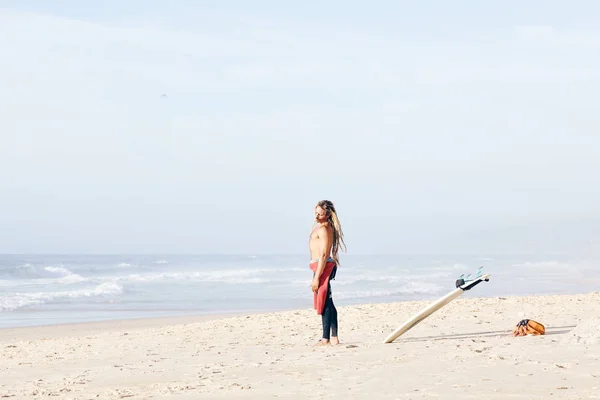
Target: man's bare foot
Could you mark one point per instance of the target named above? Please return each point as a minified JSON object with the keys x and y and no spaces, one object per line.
{"x":322,"y":342}
{"x":335,"y":340}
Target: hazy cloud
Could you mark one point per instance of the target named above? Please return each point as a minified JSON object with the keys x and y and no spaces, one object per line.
{"x":418,"y":134}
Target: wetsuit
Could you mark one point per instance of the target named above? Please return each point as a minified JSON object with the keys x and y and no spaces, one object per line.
{"x":323,"y":301}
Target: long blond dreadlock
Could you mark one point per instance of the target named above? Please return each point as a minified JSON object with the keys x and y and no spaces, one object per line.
{"x":338,"y":234}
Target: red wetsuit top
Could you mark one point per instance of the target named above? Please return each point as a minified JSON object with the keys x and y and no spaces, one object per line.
{"x":320,"y":297}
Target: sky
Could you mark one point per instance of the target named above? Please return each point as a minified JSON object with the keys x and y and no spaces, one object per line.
{"x":216,"y":126}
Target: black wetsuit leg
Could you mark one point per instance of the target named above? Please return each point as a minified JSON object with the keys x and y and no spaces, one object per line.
{"x":334,"y":318}
{"x":329,"y":317}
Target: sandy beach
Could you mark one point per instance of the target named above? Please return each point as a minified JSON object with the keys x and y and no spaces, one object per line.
{"x":465,"y":350}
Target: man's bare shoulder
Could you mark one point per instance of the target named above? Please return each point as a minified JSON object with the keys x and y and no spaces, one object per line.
{"x":325,"y":229}
{"x":320,"y":230}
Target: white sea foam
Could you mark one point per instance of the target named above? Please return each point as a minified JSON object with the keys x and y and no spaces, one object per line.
{"x":542,"y":264}
{"x":409,"y":288}
{"x":14,"y":301}
{"x":32,"y":275}
{"x":455,"y":267}
{"x":190,"y":277}
{"x":234,"y":276}
{"x":32,"y":271}
{"x":58,"y":270}
{"x":66,"y":280}
{"x":349,"y":279}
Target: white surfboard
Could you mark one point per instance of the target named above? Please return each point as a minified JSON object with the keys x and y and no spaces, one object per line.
{"x":436,"y":305}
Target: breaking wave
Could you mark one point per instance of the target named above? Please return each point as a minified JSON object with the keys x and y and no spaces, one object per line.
{"x":19,"y":300}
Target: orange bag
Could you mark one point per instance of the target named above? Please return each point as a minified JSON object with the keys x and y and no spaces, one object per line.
{"x":528,"y":327}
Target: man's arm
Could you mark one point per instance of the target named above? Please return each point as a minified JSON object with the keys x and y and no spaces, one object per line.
{"x":323,"y":244}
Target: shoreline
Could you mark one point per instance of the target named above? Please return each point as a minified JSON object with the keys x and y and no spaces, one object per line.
{"x":206,"y":315}
{"x":32,"y":332}
{"x":179,"y":318}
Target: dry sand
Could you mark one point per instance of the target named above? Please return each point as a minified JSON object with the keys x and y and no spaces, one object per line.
{"x":464,"y":351}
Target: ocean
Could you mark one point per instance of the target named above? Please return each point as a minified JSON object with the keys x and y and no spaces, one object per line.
{"x":57,"y":289}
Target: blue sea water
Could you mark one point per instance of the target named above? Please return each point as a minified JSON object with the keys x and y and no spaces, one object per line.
{"x":53,"y":289}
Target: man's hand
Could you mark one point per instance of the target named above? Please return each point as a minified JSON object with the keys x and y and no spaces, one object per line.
{"x":315,"y":284}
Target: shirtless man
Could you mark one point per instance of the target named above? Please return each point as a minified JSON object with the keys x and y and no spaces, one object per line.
{"x":325,"y":241}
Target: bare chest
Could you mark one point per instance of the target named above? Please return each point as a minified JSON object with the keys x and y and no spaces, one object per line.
{"x":313,"y":236}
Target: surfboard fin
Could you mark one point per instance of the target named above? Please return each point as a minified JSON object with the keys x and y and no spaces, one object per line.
{"x":462,"y":279}
{"x":477,"y":274}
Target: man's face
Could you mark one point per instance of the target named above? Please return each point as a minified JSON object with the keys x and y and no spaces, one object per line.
{"x":320,"y":214}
